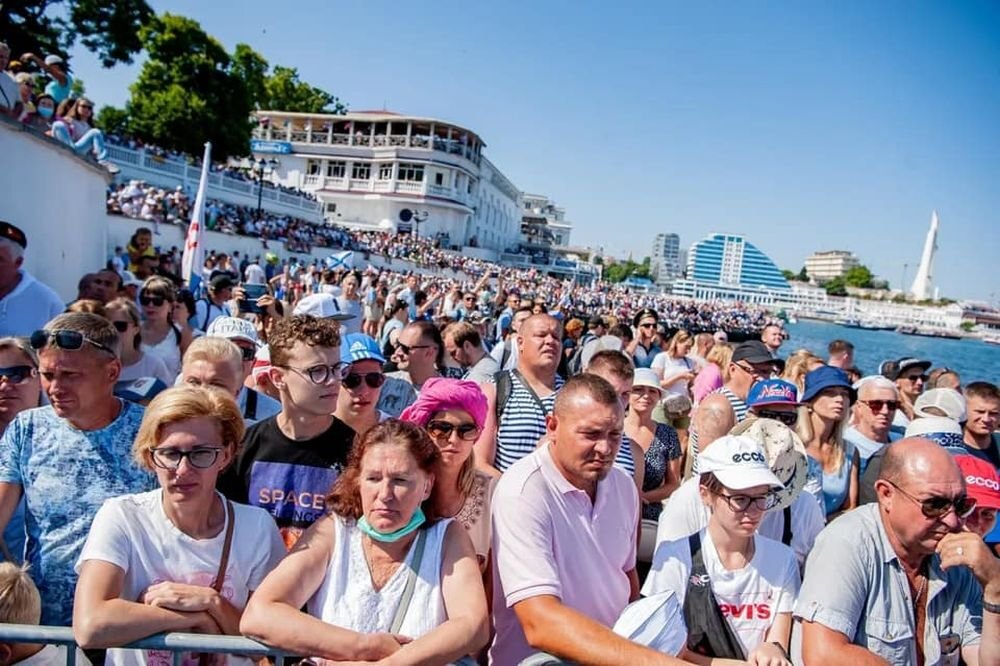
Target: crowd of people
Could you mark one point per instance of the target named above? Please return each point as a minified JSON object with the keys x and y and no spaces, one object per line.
{"x":363,"y":465}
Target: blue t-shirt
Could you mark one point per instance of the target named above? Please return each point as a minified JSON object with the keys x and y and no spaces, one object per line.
{"x":66,"y":475}
{"x":59,"y":92}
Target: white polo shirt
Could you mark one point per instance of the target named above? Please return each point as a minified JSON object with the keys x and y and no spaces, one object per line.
{"x":29,"y":307}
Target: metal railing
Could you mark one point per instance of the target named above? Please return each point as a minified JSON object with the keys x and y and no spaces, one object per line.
{"x":176,"y":643}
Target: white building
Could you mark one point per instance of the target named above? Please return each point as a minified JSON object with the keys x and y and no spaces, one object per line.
{"x":543,"y":222}
{"x":825,"y":266}
{"x":382,"y":170}
{"x":666,"y":261}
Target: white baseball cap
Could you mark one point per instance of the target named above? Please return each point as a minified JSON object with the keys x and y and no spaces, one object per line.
{"x":949,"y":401}
{"x":322,"y":306}
{"x":738,"y":462}
{"x":232,"y":328}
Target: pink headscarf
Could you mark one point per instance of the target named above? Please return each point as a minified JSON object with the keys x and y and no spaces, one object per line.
{"x":439,"y":394}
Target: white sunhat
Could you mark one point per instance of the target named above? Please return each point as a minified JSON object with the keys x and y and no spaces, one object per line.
{"x":656,"y":621}
{"x":232,"y":328}
{"x":786,"y":455}
{"x":322,"y":306}
{"x":738,"y":462}
{"x":647,"y":377}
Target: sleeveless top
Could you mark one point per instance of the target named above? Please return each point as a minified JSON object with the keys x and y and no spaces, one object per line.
{"x":347,"y":598}
{"x":522,"y":423}
{"x":168,"y":350}
{"x":833,"y":487}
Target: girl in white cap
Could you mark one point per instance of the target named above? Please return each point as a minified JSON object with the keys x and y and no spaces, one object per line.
{"x":737,"y":588}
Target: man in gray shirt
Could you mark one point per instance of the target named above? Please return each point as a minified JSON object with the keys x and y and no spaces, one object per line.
{"x":465,"y":346}
{"x":900,"y":582}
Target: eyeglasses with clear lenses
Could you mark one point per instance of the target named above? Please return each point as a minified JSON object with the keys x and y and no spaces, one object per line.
{"x":742,"y":503}
{"x":200,"y":457}
{"x":937,"y":506}
{"x":16,"y":374}
{"x":65,"y":339}
{"x":372,"y":379}
{"x":323,"y":374}
{"x":442,"y":430}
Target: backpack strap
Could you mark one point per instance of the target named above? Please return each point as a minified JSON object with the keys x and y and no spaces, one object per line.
{"x":251,"y":410}
{"x":786,"y":531}
{"x":709,"y":632}
{"x":505,"y":386}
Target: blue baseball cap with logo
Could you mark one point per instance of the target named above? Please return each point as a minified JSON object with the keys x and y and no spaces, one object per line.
{"x":772,"y":392}
{"x":360,"y":347}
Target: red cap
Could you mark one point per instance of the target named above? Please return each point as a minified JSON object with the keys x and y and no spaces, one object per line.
{"x":981,"y":481}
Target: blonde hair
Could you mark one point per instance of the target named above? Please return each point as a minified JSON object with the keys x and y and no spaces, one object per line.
{"x":177,"y":405}
{"x":680,"y":337}
{"x":797,"y":367}
{"x":20,"y":602}
{"x":88,"y":305}
{"x":721,"y":355}
{"x":804,"y":429}
{"x":215,"y":350}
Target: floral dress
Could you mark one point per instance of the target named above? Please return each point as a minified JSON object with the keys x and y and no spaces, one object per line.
{"x":665,"y":447}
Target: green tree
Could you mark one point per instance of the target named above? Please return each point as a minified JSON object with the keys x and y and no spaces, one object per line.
{"x":108,"y":29}
{"x":286,"y":92}
{"x":789,"y":275}
{"x":859,"y":277}
{"x":112,"y":120}
{"x":187,"y":92}
{"x":251,"y":67}
{"x":836,"y":287}
{"x":803,"y":276}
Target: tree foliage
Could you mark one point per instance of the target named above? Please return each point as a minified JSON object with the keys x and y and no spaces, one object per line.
{"x":803,"y":275}
{"x":623,"y":270}
{"x":112,"y":120}
{"x":109,"y":29}
{"x":788,"y":275}
{"x":859,"y":277}
{"x":836,"y":287}
{"x":287,"y":92}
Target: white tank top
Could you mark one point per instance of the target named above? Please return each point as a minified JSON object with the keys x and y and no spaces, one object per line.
{"x":168,"y":350}
{"x":347,"y":599}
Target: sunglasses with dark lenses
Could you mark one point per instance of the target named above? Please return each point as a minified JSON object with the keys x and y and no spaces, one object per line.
{"x":121,"y":326}
{"x":788,"y":418}
{"x":372,"y":379}
{"x":937,"y":506}
{"x":146,"y":300}
{"x":913,"y":378}
{"x":201,"y":457}
{"x":16,"y":374}
{"x":877,"y":405}
{"x":442,"y":430}
{"x":407,"y":349}
{"x":649,"y":325}
{"x":741,"y":503}
{"x":64,"y":339}
{"x":249,"y":353}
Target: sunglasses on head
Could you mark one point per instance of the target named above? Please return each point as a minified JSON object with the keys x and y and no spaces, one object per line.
{"x":443,"y":429}
{"x":937,"y":506}
{"x":147,"y":300}
{"x":877,"y":405}
{"x":65,"y":339}
{"x":16,"y":374}
{"x":788,"y":418}
{"x":372,"y":379}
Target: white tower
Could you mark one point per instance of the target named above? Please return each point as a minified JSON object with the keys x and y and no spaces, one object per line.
{"x":923,"y":288}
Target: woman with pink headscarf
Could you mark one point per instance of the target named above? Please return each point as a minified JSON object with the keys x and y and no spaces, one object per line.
{"x":452,"y":412}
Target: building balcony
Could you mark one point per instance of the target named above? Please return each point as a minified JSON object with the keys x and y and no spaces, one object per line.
{"x":405,"y":187}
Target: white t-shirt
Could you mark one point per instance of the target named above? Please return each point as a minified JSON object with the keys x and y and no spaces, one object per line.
{"x":53,"y":655}
{"x":29,"y":307}
{"x":750,"y":598}
{"x":667,"y":367}
{"x":10,"y":92}
{"x":254,"y":274}
{"x":133,"y":533}
{"x":149,"y":365}
{"x":684,"y":514}
{"x":350,"y":306}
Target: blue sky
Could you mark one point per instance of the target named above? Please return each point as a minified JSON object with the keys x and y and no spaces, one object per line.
{"x":805,"y":126}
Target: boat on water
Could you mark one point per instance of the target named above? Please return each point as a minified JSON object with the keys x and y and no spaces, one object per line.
{"x":872,"y":325}
{"x":848,"y":323}
{"x":929,"y":332}
{"x":992,"y":338}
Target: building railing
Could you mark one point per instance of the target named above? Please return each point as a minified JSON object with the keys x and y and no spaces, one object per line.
{"x":366,"y":140}
{"x":176,"y":643}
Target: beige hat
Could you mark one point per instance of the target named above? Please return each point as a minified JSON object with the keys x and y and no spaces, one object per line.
{"x":950,"y":402}
{"x":786,"y":455}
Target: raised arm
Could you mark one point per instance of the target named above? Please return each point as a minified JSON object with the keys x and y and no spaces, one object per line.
{"x":486,"y":446}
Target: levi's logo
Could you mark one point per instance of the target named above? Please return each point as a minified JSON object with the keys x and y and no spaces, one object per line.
{"x":983,"y":482}
{"x":748,"y":611}
{"x":748,"y":456}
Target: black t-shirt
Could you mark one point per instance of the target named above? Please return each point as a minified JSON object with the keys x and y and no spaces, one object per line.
{"x":287,"y":478}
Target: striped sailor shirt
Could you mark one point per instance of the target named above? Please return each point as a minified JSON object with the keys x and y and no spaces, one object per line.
{"x":522,"y":422}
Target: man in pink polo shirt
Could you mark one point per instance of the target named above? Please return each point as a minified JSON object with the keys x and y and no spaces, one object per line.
{"x":564,"y":535}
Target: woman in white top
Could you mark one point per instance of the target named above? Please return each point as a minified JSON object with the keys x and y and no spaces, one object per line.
{"x":673,"y":367}
{"x":352,"y":568}
{"x":136,"y":364}
{"x":160,"y":336}
{"x":153,"y":562}
{"x":746,"y":608}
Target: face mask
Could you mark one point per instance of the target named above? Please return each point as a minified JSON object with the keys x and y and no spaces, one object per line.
{"x":45,"y":112}
{"x":416,"y":521}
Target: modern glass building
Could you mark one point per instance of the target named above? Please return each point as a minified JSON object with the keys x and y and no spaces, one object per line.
{"x":730,"y":260}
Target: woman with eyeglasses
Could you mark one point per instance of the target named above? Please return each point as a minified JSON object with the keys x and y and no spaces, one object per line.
{"x":136,"y":364}
{"x":181,"y":557}
{"x":452,"y":412}
{"x":381,"y":575}
{"x":834,"y":463}
{"x":75,"y":128}
{"x":737,"y":588}
{"x":160,"y":337}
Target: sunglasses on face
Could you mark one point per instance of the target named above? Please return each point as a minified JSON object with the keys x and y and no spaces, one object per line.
{"x":64,"y":339}
{"x":742,"y":503}
{"x":763,"y":372}
{"x":937,"y":506}
{"x":877,"y":405}
{"x":442,"y":430}
{"x":407,"y":349}
{"x":146,"y":300}
{"x":788,"y":418}
{"x":120,"y":326}
{"x":914,"y":378}
{"x":647,"y":325}
{"x":16,"y":374}
{"x":201,"y":457}
{"x":371,"y":379}
{"x":248,"y":353}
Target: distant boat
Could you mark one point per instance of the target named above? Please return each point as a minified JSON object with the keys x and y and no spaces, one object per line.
{"x":872,"y":325}
{"x":992,"y":338}
{"x":929,"y":332}
{"x":848,"y":323}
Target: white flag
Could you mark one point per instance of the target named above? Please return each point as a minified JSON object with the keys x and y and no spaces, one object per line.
{"x":340,"y":260}
{"x":194,"y":250}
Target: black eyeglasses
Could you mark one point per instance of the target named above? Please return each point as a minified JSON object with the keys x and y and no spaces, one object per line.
{"x":65,"y":339}
{"x":323,"y":374}
{"x":442,"y":430}
{"x":407,"y":349}
{"x":155,"y":301}
{"x":200,"y":457}
{"x":120,"y":326}
{"x":372,"y":379}
{"x":877,"y":405}
{"x":742,"y":503}
{"x":938,"y":506}
{"x":16,"y":374}
{"x":788,"y":418}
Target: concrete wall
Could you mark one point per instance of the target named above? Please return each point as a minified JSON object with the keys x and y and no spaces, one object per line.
{"x":58,"y":198}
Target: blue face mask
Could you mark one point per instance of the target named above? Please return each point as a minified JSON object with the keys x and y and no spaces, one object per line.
{"x":416,"y":521}
{"x":45,"y":112}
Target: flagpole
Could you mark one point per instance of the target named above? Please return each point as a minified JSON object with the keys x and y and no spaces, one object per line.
{"x":194,"y":249}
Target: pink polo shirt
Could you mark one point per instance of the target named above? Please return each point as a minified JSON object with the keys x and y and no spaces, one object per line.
{"x":548,"y":539}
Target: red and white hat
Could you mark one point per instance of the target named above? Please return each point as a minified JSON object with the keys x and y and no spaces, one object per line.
{"x":261,"y":363}
{"x":981,"y":481}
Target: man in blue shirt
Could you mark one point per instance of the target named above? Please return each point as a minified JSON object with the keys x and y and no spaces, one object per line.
{"x":69,"y":457}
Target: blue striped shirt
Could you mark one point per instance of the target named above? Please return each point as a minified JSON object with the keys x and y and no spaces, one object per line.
{"x":522,"y":423}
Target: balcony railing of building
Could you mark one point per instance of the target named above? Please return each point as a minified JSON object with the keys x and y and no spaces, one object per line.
{"x":421,"y":188}
{"x":166,"y":171}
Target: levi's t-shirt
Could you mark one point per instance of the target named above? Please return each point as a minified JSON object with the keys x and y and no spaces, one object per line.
{"x":288,"y":478}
